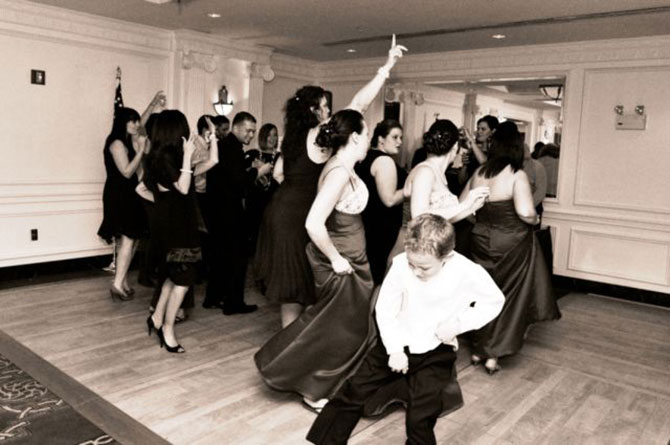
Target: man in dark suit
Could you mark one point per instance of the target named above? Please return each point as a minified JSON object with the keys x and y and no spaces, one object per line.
{"x":227,"y":183}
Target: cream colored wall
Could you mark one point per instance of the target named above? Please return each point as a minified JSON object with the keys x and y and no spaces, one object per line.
{"x":52,"y":175}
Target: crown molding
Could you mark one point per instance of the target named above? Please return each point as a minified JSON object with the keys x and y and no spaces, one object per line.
{"x":537,"y":58}
{"x":189,"y":41}
{"x":30,"y":19}
{"x":295,"y":68}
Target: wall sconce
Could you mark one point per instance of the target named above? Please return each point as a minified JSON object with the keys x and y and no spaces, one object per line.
{"x":552,"y":92}
{"x":639,"y":109}
{"x":223,"y":106}
{"x":619,"y":110}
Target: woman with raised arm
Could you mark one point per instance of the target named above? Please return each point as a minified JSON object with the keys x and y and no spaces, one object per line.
{"x":175,"y":220}
{"x":124,"y":218}
{"x":385,"y":179}
{"x":314,"y":354}
{"x":281,"y":261}
{"x":504,"y":243}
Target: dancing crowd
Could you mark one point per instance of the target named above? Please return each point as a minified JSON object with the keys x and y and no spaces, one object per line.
{"x":378,"y":271}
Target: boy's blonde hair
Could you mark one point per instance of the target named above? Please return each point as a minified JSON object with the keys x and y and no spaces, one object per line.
{"x":432,"y":234}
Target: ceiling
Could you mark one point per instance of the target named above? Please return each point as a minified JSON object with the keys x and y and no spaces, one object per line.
{"x":325,"y":29}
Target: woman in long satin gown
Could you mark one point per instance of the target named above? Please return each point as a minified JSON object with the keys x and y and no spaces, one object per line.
{"x":317,"y":352}
{"x":504,"y":243}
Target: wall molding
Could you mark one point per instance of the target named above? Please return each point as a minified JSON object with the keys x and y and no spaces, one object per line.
{"x":52,"y":23}
{"x":593,"y":216}
{"x":620,"y":274}
{"x":43,"y":256}
{"x":192,"y":41}
{"x":548,"y":58}
{"x":294,"y":68}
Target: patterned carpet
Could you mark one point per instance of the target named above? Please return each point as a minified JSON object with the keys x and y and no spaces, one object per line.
{"x":31,"y":414}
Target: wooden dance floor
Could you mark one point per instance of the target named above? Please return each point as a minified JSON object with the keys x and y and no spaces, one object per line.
{"x":601,"y":375}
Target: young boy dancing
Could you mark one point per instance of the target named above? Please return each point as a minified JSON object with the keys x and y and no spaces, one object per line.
{"x":430,"y":295}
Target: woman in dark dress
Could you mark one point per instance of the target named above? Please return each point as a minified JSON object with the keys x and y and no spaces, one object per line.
{"x":281,"y":261}
{"x":259,"y":195}
{"x":314,"y":354}
{"x":123,"y":215}
{"x":504,"y":243}
{"x":174,"y":220}
{"x":384,"y":179}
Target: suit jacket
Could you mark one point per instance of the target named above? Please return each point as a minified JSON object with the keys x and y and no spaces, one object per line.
{"x":227,"y":183}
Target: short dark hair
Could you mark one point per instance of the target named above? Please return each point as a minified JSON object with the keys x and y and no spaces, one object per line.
{"x":220,"y":120}
{"x":383,"y":129}
{"x":491,"y":121}
{"x":431,"y":234}
{"x":243,"y":116}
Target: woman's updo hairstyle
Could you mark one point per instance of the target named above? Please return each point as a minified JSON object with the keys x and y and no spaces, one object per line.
{"x":440,"y":137}
{"x":299,"y":118}
{"x":335,"y":133}
{"x":382,"y":130}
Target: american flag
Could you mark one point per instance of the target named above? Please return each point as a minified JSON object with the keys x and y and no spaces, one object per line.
{"x":118,"y":98}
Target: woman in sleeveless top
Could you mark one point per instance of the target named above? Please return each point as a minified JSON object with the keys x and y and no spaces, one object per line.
{"x":503,"y":242}
{"x":123,"y":215}
{"x":317,"y":352}
{"x":281,"y":262}
{"x":426,"y":188}
{"x":385,"y":180}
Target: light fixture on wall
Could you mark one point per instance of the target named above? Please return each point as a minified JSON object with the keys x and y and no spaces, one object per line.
{"x":552,"y":92}
{"x":223,"y":106}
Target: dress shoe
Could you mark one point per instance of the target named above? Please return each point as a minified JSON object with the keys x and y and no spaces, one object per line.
{"x":242,"y":309}
{"x":116,"y":293}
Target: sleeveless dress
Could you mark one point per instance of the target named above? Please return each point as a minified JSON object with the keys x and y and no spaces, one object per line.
{"x":123,"y":213}
{"x":281,"y":262}
{"x":507,"y":248}
{"x":381,"y":223}
{"x":316,"y":353}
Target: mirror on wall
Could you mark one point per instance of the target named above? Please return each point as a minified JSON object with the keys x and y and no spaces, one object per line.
{"x":534,"y":104}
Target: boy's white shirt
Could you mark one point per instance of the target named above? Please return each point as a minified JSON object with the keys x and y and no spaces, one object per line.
{"x":409,"y":310}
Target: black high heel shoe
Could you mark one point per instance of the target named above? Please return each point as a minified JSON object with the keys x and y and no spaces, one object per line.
{"x":174,"y":349}
{"x":151,"y":326}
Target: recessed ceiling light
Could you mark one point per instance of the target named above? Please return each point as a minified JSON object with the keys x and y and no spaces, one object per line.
{"x":351,"y":50}
{"x":213,"y":15}
{"x":498,"y":36}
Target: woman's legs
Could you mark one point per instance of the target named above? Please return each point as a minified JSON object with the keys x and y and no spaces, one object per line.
{"x":159,"y":312}
{"x":173,"y":303}
{"x":289,"y":312}
{"x":124,"y":255}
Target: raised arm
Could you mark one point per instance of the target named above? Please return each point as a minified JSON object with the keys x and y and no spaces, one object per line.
{"x":366,"y":95}
{"x":333,"y":185}
{"x":386,"y":179}
{"x":156,"y":105}
{"x":213,"y":159}
{"x":120,"y":155}
{"x":523,"y":199}
{"x":183,"y":183}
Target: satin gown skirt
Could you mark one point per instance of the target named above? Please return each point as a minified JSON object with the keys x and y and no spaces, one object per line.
{"x":508,"y":249}
{"x":317,"y":352}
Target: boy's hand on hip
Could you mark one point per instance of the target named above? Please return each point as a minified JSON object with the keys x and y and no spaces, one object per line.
{"x":447,"y":331}
{"x":398,"y":362}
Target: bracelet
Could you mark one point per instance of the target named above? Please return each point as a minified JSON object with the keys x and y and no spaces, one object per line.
{"x":384,"y":72}
{"x":185,"y":170}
